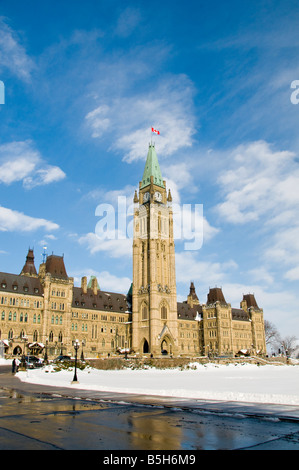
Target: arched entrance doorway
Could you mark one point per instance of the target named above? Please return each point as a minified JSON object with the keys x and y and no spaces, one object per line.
{"x":17,"y":351}
{"x":166,"y":347}
{"x":145,"y":347}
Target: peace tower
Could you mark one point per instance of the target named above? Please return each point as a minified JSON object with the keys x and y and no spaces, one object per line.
{"x":154,"y":301}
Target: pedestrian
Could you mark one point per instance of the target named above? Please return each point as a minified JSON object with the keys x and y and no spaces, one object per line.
{"x":17,"y":364}
{"x":13,"y":366}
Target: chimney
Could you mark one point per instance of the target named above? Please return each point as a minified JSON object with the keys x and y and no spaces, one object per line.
{"x":84,"y":284}
{"x":94,"y":285}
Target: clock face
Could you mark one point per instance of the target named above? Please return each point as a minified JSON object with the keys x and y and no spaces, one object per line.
{"x":158,"y":196}
{"x":146,"y":197}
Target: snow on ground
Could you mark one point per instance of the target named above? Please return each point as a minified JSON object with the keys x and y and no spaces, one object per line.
{"x":275,"y":384}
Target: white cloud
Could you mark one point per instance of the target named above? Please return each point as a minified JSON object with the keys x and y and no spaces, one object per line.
{"x":20,"y":161}
{"x":168,"y":107}
{"x":116,"y":248}
{"x":181,"y":174}
{"x":190,"y":226}
{"x":261,"y":190}
{"x":50,"y":174}
{"x":293,"y":274}
{"x":107,"y":281}
{"x":98,"y":121}
{"x":189,"y":268}
{"x":261,"y":274}
{"x":13,"y":55}
{"x":284,"y":247}
{"x":17,"y":161}
{"x":112,"y":196}
{"x":14,"y":221}
{"x":51,"y":237}
{"x":260,"y":183}
{"x":127,"y":22}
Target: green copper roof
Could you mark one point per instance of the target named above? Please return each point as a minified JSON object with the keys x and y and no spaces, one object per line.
{"x":89,"y":286}
{"x":152,"y":168}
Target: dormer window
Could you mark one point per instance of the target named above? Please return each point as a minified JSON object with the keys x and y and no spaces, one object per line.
{"x":3,"y":285}
{"x":15,"y":287}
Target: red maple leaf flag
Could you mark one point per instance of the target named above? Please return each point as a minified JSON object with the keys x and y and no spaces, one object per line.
{"x":155,"y":131}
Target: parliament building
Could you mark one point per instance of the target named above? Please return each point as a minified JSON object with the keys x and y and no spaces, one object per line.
{"x":42,"y":311}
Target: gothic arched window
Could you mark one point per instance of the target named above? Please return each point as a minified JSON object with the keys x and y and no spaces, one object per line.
{"x":144,"y":312}
{"x":163,"y":312}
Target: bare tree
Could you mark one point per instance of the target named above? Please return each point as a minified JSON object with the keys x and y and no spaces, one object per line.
{"x":284,"y":345}
{"x":271,"y":333}
{"x":288,"y":344}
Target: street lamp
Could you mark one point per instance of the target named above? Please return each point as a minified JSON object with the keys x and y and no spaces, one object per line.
{"x":82,"y":354}
{"x":76,"y":347}
{"x":23,"y":360}
{"x":46,"y":353}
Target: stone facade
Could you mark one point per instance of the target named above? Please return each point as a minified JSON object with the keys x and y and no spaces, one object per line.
{"x":154,"y":307}
{"x":44,"y":312}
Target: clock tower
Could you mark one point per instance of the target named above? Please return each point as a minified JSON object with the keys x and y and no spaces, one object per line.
{"x":154,"y":301}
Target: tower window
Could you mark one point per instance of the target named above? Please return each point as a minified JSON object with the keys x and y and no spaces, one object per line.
{"x":144,"y":313}
{"x":163,"y":312}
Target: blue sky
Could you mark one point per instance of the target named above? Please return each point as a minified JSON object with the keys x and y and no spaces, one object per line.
{"x":84,"y":83}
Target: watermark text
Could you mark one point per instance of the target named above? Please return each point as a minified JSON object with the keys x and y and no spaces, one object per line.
{"x":2,"y":93}
{"x":295,"y":95}
{"x":118,"y":223}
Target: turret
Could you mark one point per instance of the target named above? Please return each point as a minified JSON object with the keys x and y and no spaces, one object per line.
{"x":192,"y":298}
{"x":29,"y":267}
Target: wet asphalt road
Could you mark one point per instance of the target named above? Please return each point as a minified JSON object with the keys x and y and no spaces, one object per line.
{"x":34,"y":420}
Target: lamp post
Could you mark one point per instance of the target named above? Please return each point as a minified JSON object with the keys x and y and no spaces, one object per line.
{"x":46,"y":353}
{"x":82,"y":354}
{"x":23,"y":360}
{"x":76,"y":347}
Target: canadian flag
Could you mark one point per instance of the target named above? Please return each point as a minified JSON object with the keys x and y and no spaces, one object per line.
{"x":155,"y":131}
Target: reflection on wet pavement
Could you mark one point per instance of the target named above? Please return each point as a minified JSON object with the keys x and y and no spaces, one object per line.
{"x":53,"y":422}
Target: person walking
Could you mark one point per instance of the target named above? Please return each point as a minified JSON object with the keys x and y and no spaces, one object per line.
{"x":13,"y":366}
{"x":17,"y":364}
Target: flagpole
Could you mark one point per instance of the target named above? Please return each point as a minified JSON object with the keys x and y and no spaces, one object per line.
{"x":155,"y":131}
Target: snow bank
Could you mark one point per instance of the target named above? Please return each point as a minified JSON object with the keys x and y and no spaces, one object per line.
{"x":233,"y":382}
